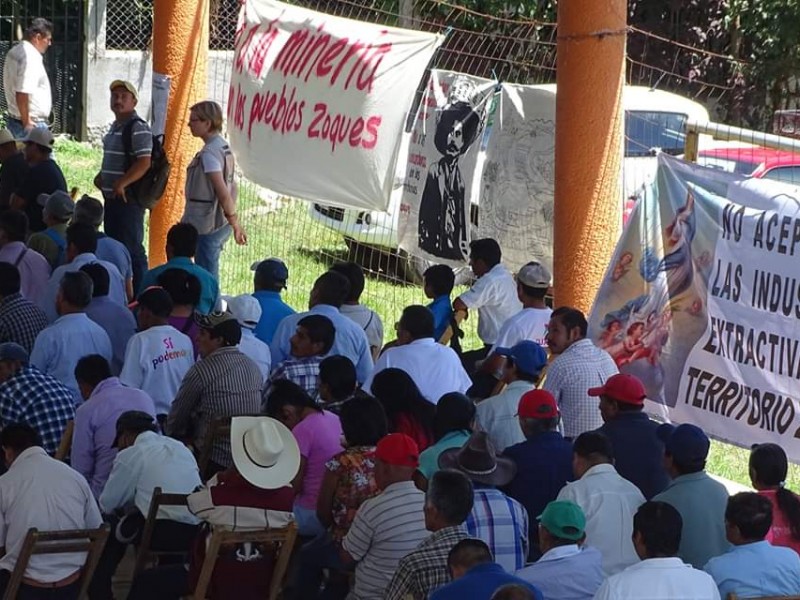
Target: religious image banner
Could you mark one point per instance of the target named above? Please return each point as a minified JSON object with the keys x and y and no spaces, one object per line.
{"x":702,"y":302}
{"x":317,"y":103}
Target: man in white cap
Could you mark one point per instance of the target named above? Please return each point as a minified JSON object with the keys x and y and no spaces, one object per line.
{"x":14,"y":168}
{"x":247,"y":311}
{"x":124,"y":217}
{"x":44,"y":176}
{"x":255,"y":494}
{"x":57,"y":209}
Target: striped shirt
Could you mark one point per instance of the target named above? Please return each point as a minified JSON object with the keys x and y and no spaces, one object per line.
{"x":114,"y":159}
{"x":386,"y":528}
{"x":569,"y":377}
{"x":502,"y":523}
{"x":225,"y":383}
{"x":425,"y":569}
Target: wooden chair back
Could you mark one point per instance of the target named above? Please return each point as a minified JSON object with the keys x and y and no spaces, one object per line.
{"x":65,"y":445}
{"x":91,"y":541}
{"x":145,"y":553}
{"x":285,"y":537}
{"x":458,"y":317}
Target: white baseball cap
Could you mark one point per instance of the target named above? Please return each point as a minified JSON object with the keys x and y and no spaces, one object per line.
{"x":245,"y":308}
{"x":534,"y":275}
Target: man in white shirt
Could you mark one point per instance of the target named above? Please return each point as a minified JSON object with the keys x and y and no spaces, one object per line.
{"x":41,"y":492}
{"x":493,"y":295}
{"x":436,"y":369}
{"x":247,"y":311}
{"x":27,"y":87}
{"x":608,"y":501}
{"x":363,"y":316}
{"x":497,"y":416}
{"x":661,"y":574}
{"x":145,"y":461}
{"x":579,"y":366}
{"x":156,"y":358}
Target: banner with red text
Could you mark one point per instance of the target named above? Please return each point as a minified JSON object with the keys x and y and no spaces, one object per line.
{"x":702,"y":302}
{"x":442,"y":179}
{"x":317,"y":103}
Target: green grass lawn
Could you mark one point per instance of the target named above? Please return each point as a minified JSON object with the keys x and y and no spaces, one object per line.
{"x":283,"y":229}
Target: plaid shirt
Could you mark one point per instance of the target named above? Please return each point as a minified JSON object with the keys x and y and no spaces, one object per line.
{"x":425,"y":569}
{"x":502,"y":523}
{"x":20,"y":321}
{"x":569,"y":377}
{"x":302,"y":371}
{"x":32,"y":397}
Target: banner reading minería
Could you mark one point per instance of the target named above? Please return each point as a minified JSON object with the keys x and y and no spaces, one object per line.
{"x":702,"y":302}
{"x":317,"y":103}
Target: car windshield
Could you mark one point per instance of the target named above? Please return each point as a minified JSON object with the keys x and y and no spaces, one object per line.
{"x":727,"y":164}
{"x":646,"y":130}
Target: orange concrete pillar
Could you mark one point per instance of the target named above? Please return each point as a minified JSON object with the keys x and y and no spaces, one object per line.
{"x":589,"y":129}
{"x":180,"y":51}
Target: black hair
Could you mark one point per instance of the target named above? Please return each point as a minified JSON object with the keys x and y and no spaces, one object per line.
{"x":10,"y":280}
{"x":399,"y":395}
{"x":441,"y":279}
{"x":487,"y":250}
{"x":688,"y":467}
{"x":76,"y":288}
{"x":355,"y":275}
{"x":454,"y":412}
{"x":450,"y":493}
{"x":462,"y":113}
{"x":659,"y":524}
{"x":19,"y":437}
{"x":183,"y":287}
{"x":88,"y":210}
{"x":101,"y":282}
{"x":15,"y":225}
{"x":332,"y":288}
{"x":320,"y":330}
{"x":769,"y":465}
{"x":532,"y":427}
{"x":363,"y":421}
{"x":468,"y":553}
{"x":182,"y":238}
{"x":39,"y":26}
{"x":532,"y":292}
{"x":513,"y":591}
{"x":92,"y":369}
{"x":571,"y":318}
{"x":339,"y":374}
{"x":751,"y":513}
{"x":287,"y":393}
{"x":417,"y":320}
{"x":594,"y":445}
{"x":523,"y":375}
{"x":83,"y":236}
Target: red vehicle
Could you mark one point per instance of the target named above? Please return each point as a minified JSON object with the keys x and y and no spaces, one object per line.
{"x":754,"y":161}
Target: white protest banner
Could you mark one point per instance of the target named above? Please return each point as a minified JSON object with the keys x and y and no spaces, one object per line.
{"x":317,"y":103}
{"x":518,"y":176}
{"x":443,"y":171}
{"x":702,"y":302}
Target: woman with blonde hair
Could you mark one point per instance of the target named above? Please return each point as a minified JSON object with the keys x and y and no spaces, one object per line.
{"x":210,"y":189}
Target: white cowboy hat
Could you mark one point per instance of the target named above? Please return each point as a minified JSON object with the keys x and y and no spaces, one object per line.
{"x":264,"y":451}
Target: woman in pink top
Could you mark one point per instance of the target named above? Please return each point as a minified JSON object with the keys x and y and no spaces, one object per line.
{"x":319,"y":436}
{"x":768,"y":469}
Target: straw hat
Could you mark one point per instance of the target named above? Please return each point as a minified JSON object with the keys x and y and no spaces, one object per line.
{"x":264,"y":451}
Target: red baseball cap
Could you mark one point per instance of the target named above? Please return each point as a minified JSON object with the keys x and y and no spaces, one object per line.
{"x":399,"y":450}
{"x":537,"y":404}
{"x":622,"y":388}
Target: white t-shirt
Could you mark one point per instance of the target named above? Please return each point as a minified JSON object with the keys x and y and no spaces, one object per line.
{"x":156,"y":361}
{"x":24,"y":72}
{"x":257,"y":351}
{"x":495,"y":297}
{"x":527,"y":324}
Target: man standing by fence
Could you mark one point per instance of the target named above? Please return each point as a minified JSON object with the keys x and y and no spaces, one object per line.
{"x":27,"y":87}
{"x":127,"y":148}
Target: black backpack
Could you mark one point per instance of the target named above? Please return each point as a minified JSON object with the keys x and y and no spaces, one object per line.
{"x":147,"y":191}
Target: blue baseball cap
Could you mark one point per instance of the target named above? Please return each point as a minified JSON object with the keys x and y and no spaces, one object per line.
{"x":529,"y":356}
{"x":687,"y":443}
{"x":12,"y":351}
{"x":272,"y":269}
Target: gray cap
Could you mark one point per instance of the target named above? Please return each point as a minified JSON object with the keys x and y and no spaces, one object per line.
{"x":12,"y":351}
{"x":534,"y":275}
{"x":58,"y":205}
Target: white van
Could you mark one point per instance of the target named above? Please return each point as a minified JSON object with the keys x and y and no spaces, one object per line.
{"x":654,"y":120}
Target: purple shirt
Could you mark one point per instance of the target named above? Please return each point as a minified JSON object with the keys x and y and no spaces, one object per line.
{"x":319,"y":437}
{"x":96,"y":427}
{"x":34,"y":270}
